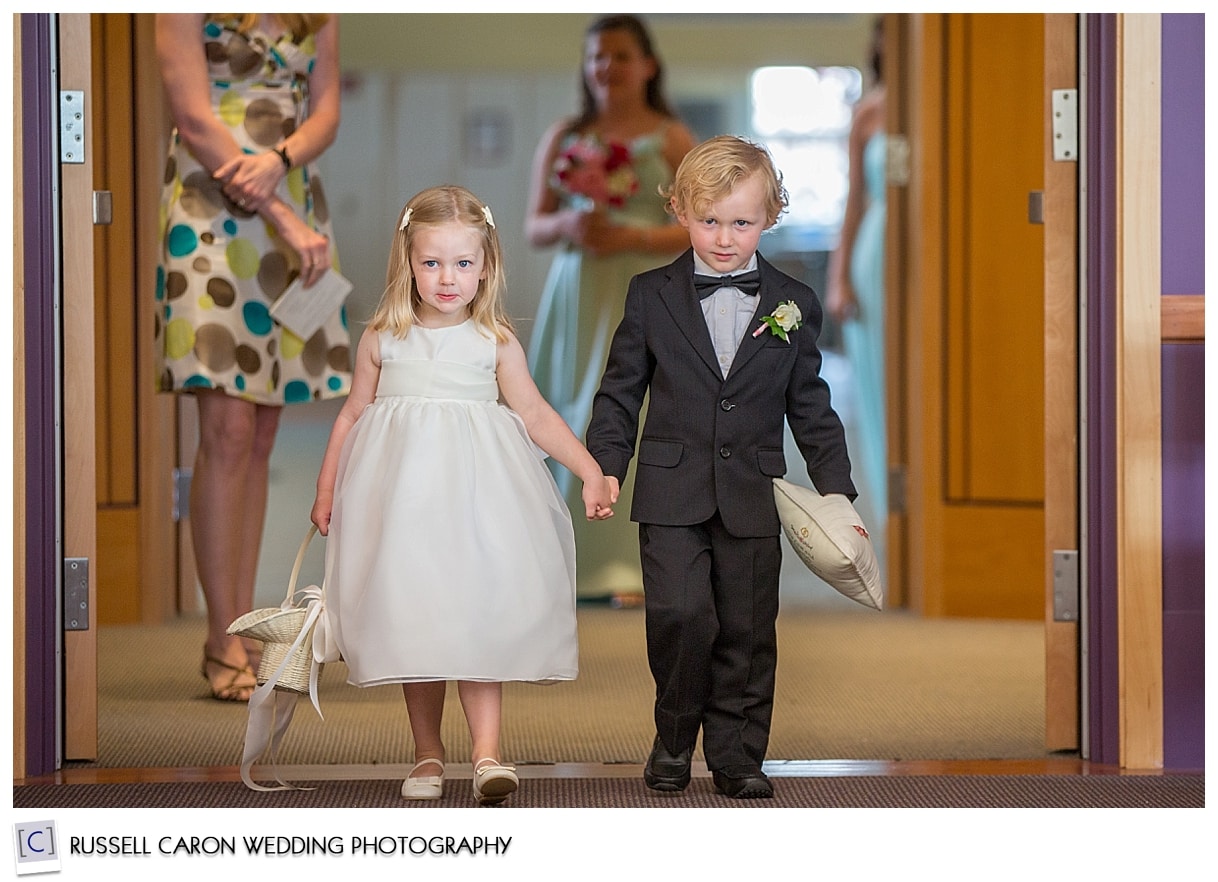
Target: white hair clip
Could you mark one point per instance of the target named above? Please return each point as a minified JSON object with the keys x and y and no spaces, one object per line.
{"x":406,"y":218}
{"x":486,"y":212}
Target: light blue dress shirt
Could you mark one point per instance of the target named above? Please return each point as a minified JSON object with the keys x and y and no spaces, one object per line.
{"x":728,"y":312}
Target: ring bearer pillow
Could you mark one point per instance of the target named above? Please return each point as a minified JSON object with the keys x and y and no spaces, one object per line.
{"x":829,"y":537}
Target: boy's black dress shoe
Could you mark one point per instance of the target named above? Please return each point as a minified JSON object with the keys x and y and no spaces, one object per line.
{"x":666,"y":771}
{"x":753,"y":785}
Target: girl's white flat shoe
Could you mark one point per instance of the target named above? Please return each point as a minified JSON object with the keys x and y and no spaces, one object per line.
{"x":493,"y":781}
{"x":429,"y":787}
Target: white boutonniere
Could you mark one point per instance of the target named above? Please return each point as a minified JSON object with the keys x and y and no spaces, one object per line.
{"x":786,"y":317}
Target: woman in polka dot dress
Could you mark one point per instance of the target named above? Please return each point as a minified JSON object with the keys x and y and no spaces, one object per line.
{"x":254,"y":101}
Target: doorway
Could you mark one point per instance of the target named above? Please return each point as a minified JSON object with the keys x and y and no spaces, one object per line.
{"x":297,"y":458}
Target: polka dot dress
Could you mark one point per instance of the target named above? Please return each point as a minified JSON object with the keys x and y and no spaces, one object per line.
{"x":222,"y":267}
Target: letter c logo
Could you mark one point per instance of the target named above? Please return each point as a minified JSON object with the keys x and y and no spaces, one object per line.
{"x":29,"y":841}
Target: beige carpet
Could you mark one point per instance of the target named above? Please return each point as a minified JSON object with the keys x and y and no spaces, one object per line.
{"x":851,"y":685}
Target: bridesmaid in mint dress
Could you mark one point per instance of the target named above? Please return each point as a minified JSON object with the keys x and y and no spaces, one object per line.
{"x":863,"y":334}
{"x":602,"y":243}
{"x":855,"y":298}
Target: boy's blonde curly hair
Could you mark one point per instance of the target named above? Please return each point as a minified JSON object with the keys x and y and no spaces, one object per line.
{"x":712,"y":170}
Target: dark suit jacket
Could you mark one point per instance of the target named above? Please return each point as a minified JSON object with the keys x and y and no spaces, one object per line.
{"x":709,"y":442}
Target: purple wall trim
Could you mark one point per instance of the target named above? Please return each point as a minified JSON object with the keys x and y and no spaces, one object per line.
{"x":1184,"y":556}
{"x":41,"y":511}
{"x":1183,"y":366}
{"x":1103,"y":697}
{"x":1183,"y":147}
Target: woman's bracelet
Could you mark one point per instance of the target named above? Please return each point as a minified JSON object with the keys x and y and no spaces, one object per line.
{"x":283,"y":156}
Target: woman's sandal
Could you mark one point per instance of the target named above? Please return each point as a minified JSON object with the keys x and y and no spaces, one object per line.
{"x":424,"y":787}
{"x":493,"y":781}
{"x":239,"y":687}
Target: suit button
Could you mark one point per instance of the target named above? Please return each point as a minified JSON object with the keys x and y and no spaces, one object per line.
{"x":725,"y":405}
{"x":725,"y":452}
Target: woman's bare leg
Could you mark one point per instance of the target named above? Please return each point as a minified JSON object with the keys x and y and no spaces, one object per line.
{"x":227,"y":509}
{"x":257,"y":483}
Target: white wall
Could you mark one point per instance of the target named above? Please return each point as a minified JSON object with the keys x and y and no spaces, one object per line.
{"x":404,"y":132}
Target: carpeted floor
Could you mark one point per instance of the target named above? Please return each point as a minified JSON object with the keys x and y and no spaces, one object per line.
{"x":852,"y":685}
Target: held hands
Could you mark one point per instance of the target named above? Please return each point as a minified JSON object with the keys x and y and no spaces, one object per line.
{"x":250,"y":179}
{"x":599,"y":497}
{"x":246,"y":181}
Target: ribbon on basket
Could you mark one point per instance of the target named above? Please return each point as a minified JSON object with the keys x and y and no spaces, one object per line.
{"x":295,"y":645}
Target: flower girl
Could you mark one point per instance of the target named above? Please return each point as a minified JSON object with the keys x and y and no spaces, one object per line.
{"x":450,"y":553}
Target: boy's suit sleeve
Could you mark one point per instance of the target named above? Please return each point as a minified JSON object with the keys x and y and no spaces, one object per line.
{"x":614,"y":426}
{"x":815,"y":425}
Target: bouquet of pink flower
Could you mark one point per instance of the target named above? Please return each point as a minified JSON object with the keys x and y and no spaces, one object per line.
{"x":599,"y":171}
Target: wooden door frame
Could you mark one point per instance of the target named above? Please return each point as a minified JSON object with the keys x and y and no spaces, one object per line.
{"x":1061,"y":372}
{"x":903,"y":264}
{"x":158,"y":595}
{"x":78,"y":398}
{"x":1139,"y":353}
{"x":137,"y":439}
{"x":161,"y":568}
{"x":896,"y":236}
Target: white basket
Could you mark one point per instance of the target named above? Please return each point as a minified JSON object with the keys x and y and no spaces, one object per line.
{"x":278,"y":629}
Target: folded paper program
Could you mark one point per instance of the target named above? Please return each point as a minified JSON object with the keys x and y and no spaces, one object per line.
{"x":304,"y":310}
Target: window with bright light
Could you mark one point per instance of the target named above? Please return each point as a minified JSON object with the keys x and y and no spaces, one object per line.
{"x":802,"y":114}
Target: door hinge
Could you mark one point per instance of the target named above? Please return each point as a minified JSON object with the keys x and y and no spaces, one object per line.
{"x":1065,"y":585}
{"x":72,"y":127}
{"x":1065,"y":125}
{"x":76,"y":594}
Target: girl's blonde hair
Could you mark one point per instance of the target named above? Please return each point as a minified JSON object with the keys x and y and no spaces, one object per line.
{"x":712,"y":170}
{"x":435,"y":207}
{"x":301,"y":25}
